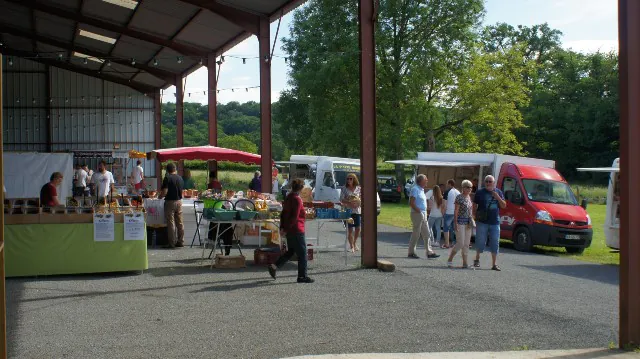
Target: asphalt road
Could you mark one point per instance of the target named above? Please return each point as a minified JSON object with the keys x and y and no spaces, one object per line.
{"x":181,"y":309}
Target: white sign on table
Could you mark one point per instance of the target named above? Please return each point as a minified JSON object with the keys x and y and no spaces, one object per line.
{"x":134,"y":227}
{"x":103,"y":227}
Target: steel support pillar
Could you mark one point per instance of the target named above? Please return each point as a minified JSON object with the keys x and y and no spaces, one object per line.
{"x":213,"y":108}
{"x":48,"y":122}
{"x":3,"y":301}
{"x":179,"y":118}
{"x":366,"y":13}
{"x":629,"y":62}
{"x":265,"y":103}
{"x":157,"y":138}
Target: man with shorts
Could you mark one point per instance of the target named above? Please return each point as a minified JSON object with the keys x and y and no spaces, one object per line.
{"x":450,"y":207}
{"x":487,"y":204}
{"x":137,"y":177}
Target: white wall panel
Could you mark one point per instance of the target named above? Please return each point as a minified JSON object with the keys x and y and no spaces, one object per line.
{"x":86,"y":113}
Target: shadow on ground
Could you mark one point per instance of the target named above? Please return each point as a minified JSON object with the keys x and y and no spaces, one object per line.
{"x":596,"y":272}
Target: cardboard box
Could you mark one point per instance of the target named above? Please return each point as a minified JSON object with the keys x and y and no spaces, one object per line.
{"x":230,"y":262}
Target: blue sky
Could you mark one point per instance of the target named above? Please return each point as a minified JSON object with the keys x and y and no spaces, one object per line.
{"x":587,"y":25}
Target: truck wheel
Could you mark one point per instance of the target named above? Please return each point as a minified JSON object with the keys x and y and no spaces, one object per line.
{"x":575,"y":250}
{"x":522,"y":240}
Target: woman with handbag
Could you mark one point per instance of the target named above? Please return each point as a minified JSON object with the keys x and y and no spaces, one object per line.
{"x":464,"y":223}
{"x":292,"y":221}
{"x":350,"y":197}
{"x":436,"y":205}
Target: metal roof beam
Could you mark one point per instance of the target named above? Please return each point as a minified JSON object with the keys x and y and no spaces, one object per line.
{"x":146,"y":89}
{"x":248,"y":21}
{"x":163,"y":75}
{"x":186,"y":50}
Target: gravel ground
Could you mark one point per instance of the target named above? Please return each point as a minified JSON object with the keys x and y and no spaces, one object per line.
{"x":179,"y":308}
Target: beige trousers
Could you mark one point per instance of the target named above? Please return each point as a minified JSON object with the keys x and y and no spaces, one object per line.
{"x":463,"y":236}
{"x":420,"y":229}
{"x":175,"y":227}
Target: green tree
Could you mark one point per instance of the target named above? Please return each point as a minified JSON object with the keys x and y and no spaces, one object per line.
{"x":237,"y":142}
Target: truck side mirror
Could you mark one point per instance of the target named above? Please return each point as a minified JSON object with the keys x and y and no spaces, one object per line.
{"x":516,"y":198}
{"x":583,"y":204}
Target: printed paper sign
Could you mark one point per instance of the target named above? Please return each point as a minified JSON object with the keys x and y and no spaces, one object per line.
{"x":134,"y":228}
{"x":103,"y":227}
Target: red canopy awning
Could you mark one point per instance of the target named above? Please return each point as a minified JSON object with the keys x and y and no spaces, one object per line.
{"x":205,"y":153}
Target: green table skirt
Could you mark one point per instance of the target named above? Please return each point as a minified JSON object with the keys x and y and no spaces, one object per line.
{"x":50,"y":249}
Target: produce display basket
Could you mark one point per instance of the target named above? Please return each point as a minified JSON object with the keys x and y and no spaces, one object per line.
{"x":243,"y":206}
{"x":225,"y":214}
{"x":246,"y":215}
{"x":346,"y":214}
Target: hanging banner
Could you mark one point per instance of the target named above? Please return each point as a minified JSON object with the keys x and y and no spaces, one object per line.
{"x":93,"y":154}
{"x":103,"y":227}
{"x":134,"y":227}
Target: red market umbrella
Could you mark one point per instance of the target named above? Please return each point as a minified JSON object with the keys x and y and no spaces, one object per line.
{"x":205,"y":153}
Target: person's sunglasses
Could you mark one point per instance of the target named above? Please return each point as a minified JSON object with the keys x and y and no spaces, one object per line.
{"x":488,"y":181}
{"x":349,"y":179}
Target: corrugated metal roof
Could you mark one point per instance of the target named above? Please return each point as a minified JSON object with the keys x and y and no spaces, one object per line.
{"x":155,"y":41}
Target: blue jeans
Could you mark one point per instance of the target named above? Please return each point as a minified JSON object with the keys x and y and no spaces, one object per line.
{"x":448,"y":223}
{"x":435,"y":224}
{"x":492,"y":231}
{"x":295,"y":244}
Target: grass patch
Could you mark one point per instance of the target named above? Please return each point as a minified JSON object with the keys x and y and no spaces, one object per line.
{"x":230,"y":180}
{"x":593,"y":194}
{"x":397,"y":214}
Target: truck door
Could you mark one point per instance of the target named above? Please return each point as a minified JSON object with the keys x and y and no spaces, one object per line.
{"x":510,"y":215}
{"x":326,"y":189}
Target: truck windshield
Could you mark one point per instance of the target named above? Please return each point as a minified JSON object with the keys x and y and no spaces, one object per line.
{"x":341,"y":177}
{"x":549,"y":191}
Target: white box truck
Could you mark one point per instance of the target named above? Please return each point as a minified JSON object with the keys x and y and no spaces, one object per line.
{"x":541,"y":207}
{"x":612,"y":220}
{"x":325,"y":175}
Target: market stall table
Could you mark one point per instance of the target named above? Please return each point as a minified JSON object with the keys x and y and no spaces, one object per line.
{"x":44,"y":247}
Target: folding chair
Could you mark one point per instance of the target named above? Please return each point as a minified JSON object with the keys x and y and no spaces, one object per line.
{"x":198,"y":215}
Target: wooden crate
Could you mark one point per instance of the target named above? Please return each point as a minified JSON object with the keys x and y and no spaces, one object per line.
{"x":266,"y":256}
{"x":230,"y":262}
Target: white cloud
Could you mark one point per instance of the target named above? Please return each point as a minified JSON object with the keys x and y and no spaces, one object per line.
{"x":586,"y":46}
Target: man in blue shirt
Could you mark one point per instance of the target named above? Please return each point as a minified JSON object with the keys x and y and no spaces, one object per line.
{"x":488,"y":202}
{"x":418,"y":204}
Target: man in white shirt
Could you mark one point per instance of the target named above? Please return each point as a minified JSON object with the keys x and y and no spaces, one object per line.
{"x":450,"y":207}
{"x":137,"y":177}
{"x":80,"y":181}
{"x":103,"y":180}
{"x":88,"y":191}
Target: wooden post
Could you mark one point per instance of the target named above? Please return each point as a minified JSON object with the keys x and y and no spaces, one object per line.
{"x":629,"y":37}
{"x":157,"y":118}
{"x":3,"y":296}
{"x":366,"y":13}
{"x":179,"y":119}
{"x":213,"y":108}
{"x":264,"y":41}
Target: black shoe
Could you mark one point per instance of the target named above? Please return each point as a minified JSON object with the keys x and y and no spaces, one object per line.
{"x":179,"y":245}
{"x":413,"y":255}
{"x":496,"y":268}
{"x":168,"y":246}
{"x":476,"y":264}
{"x":272,"y":271}
{"x":305,"y":280}
{"x":432,"y":255}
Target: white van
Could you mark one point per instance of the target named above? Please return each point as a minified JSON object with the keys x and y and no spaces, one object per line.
{"x":612,"y":221}
{"x":325,"y":175}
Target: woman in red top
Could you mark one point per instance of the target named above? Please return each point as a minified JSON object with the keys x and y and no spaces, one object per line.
{"x":292,"y":224}
{"x":214,"y":184}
